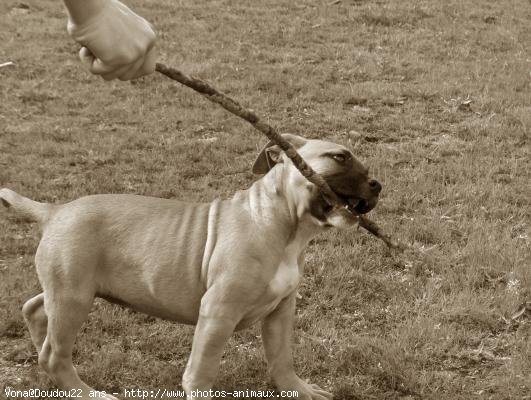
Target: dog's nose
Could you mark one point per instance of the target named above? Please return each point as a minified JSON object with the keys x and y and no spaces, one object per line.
{"x":375,"y":186}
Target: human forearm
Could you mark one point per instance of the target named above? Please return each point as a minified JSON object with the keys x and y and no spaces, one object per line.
{"x":81,"y":11}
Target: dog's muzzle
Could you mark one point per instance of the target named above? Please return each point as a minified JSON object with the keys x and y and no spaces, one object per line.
{"x":356,"y":204}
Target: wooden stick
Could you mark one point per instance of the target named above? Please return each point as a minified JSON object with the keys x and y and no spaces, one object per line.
{"x":234,"y":107}
{"x":373,"y":228}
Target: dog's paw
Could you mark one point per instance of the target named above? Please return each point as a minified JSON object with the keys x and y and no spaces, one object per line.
{"x":306,"y":391}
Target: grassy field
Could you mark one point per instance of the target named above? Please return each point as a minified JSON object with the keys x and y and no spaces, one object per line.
{"x":433,"y":96}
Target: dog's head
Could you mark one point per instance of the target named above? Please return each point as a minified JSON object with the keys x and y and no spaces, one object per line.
{"x":346,"y":176}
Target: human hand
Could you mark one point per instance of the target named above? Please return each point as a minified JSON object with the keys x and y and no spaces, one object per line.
{"x":117,"y":43}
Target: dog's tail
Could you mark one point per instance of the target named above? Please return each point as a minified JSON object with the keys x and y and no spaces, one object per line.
{"x":26,"y":208}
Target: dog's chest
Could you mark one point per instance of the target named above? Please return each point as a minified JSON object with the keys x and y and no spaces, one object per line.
{"x":283,"y":283}
{"x":286,"y":278}
{"x":288,"y":272}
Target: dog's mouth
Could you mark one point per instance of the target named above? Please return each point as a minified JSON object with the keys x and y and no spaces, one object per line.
{"x":354,"y":205}
{"x":357,"y":206}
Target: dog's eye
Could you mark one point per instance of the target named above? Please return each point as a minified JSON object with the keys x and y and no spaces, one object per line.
{"x":340,"y":158}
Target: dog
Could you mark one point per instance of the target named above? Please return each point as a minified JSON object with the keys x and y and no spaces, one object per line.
{"x":220,"y":266}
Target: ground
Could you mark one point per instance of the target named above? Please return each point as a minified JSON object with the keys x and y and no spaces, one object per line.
{"x":433,"y":96}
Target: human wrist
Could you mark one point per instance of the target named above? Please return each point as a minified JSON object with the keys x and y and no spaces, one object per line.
{"x":81,"y":12}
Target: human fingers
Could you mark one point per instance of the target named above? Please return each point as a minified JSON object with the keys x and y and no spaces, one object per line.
{"x":126,"y":72}
{"x":95,"y":65}
{"x":98,"y":67}
{"x":148,"y":66}
{"x":86,"y":57}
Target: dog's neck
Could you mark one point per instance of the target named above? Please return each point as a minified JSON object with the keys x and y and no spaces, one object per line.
{"x":277,"y":194}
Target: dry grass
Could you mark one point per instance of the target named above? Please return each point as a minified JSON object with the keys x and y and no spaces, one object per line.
{"x":390,"y":78}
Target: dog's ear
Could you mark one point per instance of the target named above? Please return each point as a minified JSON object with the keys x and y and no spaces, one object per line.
{"x":271,"y":154}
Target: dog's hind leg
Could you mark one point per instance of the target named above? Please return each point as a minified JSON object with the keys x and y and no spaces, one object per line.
{"x":67,"y":309}
{"x":36,"y":320}
{"x":66,"y":313}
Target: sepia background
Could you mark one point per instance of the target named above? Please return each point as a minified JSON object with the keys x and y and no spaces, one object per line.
{"x":434,"y":96}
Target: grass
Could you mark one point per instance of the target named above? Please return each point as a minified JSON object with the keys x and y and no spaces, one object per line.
{"x":433,"y":96}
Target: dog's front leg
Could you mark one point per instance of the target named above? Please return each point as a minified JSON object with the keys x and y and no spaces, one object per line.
{"x":277,"y":332}
{"x":214,"y":327}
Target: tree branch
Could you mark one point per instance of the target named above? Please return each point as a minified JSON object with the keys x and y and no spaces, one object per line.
{"x":235,"y":108}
